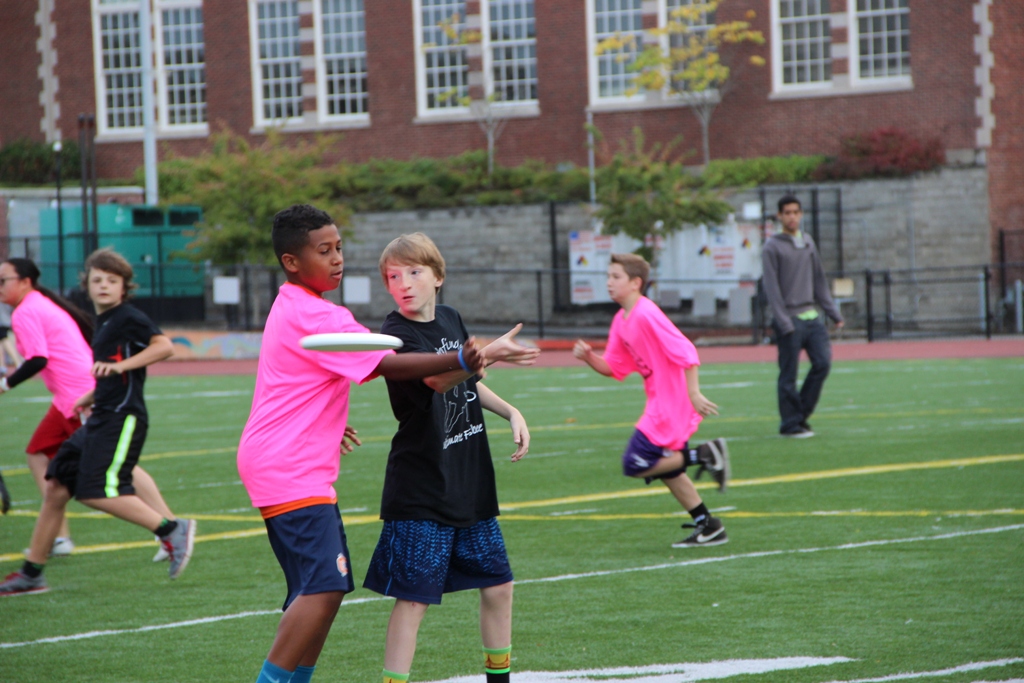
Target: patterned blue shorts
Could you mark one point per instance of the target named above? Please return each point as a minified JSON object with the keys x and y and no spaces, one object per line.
{"x":419,"y":560}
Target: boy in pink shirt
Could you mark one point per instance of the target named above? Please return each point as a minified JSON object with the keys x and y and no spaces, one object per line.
{"x":290,"y":450}
{"x":642,"y":339}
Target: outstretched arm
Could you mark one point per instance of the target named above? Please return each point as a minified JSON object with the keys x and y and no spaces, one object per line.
{"x":406,"y":366}
{"x":494,"y":403}
{"x":701,"y":404}
{"x":585,"y":352}
{"x":160,"y":347}
{"x":504,"y":348}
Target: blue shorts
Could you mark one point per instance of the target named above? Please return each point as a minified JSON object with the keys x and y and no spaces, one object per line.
{"x":419,"y":560}
{"x":641,"y":455}
{"x":312,"y":550}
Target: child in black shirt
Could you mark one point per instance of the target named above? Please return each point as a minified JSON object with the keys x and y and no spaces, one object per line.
{"x":440,"y":504}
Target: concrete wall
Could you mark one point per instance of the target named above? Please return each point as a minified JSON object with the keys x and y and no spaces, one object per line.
{"x":493,"y":254}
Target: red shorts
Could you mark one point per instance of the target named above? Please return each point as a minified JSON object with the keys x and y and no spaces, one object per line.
{"x":53,"y":430}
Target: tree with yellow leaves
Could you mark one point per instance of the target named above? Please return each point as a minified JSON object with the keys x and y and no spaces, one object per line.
{"x":686,"y":60}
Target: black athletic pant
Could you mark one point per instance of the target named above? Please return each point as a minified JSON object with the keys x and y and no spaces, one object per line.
{"x":796,"y":406}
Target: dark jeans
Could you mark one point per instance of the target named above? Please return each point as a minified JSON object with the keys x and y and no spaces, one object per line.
{"x":796,"y":406}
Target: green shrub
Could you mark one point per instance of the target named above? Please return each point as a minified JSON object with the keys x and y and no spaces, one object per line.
{"x":25,"y":162}
{"x":760,"y":171}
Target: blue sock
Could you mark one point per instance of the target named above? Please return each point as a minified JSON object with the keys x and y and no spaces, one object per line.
{"x":271,"y":673}
{"x":303,"y":674}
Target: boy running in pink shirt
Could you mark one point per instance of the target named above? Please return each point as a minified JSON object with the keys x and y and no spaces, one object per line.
{"x":642,"y":339}
{"x":291,"y":447}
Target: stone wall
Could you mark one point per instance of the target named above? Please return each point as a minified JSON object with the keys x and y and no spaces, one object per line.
{"x":494,"y":254}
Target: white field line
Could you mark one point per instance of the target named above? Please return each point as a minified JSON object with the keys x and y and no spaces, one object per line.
{"x":772,"y":553}
{"x":550,"y":579}
{"x":973,"y":666}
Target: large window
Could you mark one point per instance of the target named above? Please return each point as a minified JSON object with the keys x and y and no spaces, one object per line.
{"x":513,"y":50}
{"x":505,"y":40}
{"x":622,"y":19}
{"x":808,"y":62}
{"x":179,"y":65}
{"x":806,"y":42}
{"x":344,"y":90}
{"x":183,"y":86}
{"x":883,"y":38}
{"x":278,"y":64}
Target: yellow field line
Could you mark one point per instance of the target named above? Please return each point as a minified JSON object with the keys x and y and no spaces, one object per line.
{"x":778,"y":479}
{"x":736,"y":514}
{"x":940,"y":412}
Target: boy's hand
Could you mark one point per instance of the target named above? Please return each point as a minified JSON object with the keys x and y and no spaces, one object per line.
{"x":506,"y":348}
{"x":520,"y":435}
{"x":582,"y":349}
{"x":472,"y":356}
{"x":101,"y":369}
{"x":349,"y":441}
{"x":82,"y":405}
{"x":703,"y":406}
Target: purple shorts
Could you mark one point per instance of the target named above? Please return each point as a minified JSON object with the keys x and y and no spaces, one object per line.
{"x":641,"y":455}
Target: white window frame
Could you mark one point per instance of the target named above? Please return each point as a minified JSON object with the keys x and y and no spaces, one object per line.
{"x":99,"y":9}
{"x":323,"y":115}
{"x":856,"y":80}
{"x":422,"y":111}
{"x":594,"y":97}
{"x":488,"y":60}
{"x":161,"y":70}
{"x":260,"y":122}
{"x":514,"y":109}
{"x":778,"y":85}
{"x":163,"y":128}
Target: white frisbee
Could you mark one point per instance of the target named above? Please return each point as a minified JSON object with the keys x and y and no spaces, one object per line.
{"x":350,"y":341}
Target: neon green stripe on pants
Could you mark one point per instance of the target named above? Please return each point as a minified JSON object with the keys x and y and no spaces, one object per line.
{"x":120,"y":454}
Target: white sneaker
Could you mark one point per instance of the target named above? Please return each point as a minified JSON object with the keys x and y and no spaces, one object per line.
{"x":61,"y":547}
{"x":161,"y":554}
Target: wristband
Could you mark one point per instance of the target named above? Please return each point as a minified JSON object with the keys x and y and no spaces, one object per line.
{"x":462,"y":362}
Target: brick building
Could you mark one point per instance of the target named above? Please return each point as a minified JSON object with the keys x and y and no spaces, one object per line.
{"x":398,"y":79}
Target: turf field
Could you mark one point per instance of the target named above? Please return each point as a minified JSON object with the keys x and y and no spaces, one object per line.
{"x":889,"y":547}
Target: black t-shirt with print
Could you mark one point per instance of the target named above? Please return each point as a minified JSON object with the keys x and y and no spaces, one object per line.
{"x":440,"y":465}
{"x":121,"y":332}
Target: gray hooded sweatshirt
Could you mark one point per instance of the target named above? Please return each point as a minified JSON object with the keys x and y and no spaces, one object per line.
{"x":794,"y":279}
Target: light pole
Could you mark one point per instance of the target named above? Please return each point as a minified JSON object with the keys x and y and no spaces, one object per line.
{"x":57,"y":147}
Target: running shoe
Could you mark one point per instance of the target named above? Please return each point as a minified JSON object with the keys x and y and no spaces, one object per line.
{"x":709,"y":532}
{"x":179,"y":546}
{"x":713,"y":457}
{"x":17,"y":583}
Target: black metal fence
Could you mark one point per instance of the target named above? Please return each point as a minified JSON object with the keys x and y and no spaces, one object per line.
{"x":878,"y":304}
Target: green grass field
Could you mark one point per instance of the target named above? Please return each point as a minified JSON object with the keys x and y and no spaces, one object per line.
{"x":891,"y":544}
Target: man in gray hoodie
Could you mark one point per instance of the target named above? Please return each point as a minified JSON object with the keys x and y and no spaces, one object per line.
{"x":794,"y":282}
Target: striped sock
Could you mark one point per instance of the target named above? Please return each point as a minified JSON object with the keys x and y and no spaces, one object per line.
{"x":498,"y":664}
{"x":392,"y":677}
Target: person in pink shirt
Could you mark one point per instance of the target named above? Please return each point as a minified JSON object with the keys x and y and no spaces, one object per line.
{"x":642,"y":339}
{"x":53,"y":335}
{"x":290,"y":450}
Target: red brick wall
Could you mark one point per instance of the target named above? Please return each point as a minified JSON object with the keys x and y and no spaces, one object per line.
{"x":747,"y":123}
{"x":20,"y":111}
{"x":1006,"y":156}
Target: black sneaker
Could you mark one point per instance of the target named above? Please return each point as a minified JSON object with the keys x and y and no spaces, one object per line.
{"x":713,"y":457}
{"x":5,"y":496}
{"x":798,"y":433}
{"x":804,"y":424}
{"x":17,"y":583}
{"x":709,"y":532}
